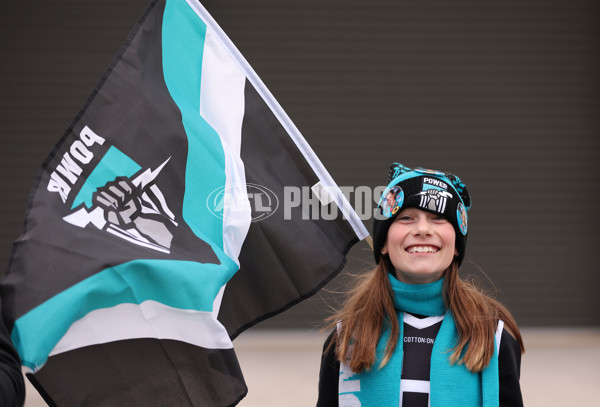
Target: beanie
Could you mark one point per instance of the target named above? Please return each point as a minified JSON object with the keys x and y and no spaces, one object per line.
{"x":433,"y":191}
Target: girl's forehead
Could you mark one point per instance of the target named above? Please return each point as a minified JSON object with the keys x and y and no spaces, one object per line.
{"x":412,"y":209}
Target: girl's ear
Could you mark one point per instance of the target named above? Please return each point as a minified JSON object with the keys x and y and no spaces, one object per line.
{"x":455,"y":252}
{"x":384,"y":249}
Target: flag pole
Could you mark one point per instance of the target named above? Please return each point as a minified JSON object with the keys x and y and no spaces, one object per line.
{"x":369,"y":240}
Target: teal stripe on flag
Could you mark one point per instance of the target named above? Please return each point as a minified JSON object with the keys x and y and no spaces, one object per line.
{"x":179,"y":284}
{"x":183,"y":47}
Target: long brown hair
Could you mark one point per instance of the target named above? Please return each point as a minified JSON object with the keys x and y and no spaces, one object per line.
{"x":370,"y":305}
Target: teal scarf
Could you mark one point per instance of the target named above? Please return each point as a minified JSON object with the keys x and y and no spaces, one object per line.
{"x":451,"y":385}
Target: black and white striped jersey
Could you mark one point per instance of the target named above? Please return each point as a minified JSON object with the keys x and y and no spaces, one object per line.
{"x":419,"y":337}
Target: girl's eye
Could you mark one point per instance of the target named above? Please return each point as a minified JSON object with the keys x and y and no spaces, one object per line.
{"x":439,"y":219}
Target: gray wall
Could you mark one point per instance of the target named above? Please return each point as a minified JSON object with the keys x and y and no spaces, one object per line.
{"x":504,"y":94}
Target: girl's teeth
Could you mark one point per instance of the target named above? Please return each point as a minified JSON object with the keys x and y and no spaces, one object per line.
{"x":422,"y":249}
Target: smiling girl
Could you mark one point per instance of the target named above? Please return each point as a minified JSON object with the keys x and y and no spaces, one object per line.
{"x":413,"y":333}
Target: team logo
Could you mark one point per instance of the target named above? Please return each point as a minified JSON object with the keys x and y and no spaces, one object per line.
{"x":461,"y":219}
{"x":131,"y":208}
{"x":434,"y":200}
{"x":118,"y":196}
{"x":393,"y":202}
{"x":434,"y":194}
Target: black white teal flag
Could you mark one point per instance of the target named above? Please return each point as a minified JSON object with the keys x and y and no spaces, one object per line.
{"x":156,"y":232}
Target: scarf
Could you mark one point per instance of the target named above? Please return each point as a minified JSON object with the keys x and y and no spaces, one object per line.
{"x":451,"y":385}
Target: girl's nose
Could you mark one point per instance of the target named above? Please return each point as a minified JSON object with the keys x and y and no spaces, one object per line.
{"x":422,"y":226}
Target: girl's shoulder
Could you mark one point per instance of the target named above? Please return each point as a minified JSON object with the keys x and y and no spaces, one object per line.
{"x":508,"y":345}
{"x":509,"y":370}
{"x":330,"y":340}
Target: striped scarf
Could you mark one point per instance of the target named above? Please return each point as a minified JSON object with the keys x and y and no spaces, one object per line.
{"x":451,"y":385}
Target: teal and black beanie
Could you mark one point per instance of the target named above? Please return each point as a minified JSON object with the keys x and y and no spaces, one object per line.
{"x":429,"y":190}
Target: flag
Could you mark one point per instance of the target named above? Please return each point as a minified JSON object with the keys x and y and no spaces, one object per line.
{"x":165,"y":222}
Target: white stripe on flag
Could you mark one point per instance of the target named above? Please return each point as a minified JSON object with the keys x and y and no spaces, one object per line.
{"x":222,"y":106}
{"x":310,"y":156}
{"x":150,"y":319}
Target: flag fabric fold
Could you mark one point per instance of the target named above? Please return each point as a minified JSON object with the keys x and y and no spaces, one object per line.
{"x":156,"y":233}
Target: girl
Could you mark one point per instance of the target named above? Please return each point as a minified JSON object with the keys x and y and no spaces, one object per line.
{"x":412,"y":333}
